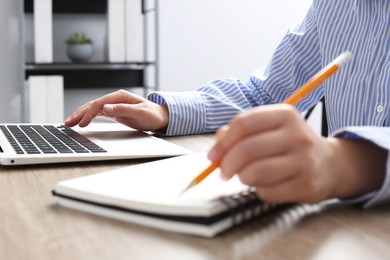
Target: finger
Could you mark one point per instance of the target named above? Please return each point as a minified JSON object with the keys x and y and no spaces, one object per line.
{"x":120,"y":96}
{"x":93,"y":108}
{"x":257,"y":120}
{"x":219,"y":135}
{"x":268,"y":172}
{"x":119,"y":110}
{"x":122,"y":113}
{"x":76,"y":116}
{"x":79,"y":113}
{"x":221,"y":132}
{"x":254,"y":148}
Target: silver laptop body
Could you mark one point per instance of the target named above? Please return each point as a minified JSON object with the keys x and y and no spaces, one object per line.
{"x":22,"y":144}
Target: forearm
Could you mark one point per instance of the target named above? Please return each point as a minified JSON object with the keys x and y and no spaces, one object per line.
{"x":358,"y":166}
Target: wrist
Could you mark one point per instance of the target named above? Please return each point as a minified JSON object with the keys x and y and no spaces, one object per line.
{"x":164,"y":112}
{"x":357,"y":167}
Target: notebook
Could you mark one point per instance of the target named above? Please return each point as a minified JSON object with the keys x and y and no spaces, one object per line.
{"x":39,"y":144}
{"x":150,"y":194}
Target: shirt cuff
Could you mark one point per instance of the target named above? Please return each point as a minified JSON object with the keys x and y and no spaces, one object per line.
{"x":187,"y":112}
{"x":382,"y":195}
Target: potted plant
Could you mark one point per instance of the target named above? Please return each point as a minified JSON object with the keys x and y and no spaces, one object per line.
{"x":79,"y":47}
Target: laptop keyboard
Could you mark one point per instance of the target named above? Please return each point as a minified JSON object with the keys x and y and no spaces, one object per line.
{"x":48,"y":139}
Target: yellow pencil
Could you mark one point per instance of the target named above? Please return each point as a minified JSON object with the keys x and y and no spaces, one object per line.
{"x":313,"y":83}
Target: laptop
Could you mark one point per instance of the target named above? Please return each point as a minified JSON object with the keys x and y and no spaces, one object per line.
{"x":22,"y":144}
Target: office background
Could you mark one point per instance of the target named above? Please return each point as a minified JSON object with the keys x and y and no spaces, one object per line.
{"x":199,"y":40}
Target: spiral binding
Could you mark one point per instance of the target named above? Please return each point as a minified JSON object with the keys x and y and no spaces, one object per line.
{"x":245,"y":206}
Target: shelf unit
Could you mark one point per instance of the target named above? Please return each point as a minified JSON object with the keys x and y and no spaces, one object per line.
{"x":103,"y":74}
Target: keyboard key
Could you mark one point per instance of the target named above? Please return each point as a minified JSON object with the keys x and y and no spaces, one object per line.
{"x":48,"y":139}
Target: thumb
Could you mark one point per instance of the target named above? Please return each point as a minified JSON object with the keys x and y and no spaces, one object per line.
{"x":217,"y":150}
{"x":117,"y":110}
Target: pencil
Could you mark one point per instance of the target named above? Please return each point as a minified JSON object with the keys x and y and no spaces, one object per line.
{"x":302,"y":92}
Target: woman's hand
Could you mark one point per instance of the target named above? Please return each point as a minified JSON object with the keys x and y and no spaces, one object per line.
{"x":273,"y":149}
{"x":125,"y":108}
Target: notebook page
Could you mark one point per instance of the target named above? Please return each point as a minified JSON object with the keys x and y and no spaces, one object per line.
{"x":156,"y":187}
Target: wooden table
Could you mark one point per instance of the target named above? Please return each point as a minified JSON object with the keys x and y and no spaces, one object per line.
{"x":33,"y":226}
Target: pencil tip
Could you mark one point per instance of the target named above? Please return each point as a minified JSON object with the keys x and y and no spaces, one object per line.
{"x":188,"y":187}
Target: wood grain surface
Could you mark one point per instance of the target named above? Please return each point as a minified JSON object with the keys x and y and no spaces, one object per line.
{"x":33,"y":226}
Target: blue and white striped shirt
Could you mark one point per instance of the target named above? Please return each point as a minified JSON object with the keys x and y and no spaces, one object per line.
{"x":357,"y":97}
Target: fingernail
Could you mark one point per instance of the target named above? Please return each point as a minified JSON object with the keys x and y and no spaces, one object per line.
{"x":224,"y":177}
{"x":213,"y":156}
{"x":109,"y":108}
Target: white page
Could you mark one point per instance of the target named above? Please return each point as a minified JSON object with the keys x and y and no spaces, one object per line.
{"x":156,"y":187}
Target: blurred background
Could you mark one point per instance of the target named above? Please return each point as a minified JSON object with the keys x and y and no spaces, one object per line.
{"x":197,"y":41}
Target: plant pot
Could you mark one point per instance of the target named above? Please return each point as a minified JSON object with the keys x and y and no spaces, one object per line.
{"x":80,"y":53}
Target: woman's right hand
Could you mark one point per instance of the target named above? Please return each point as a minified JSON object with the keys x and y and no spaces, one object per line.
{"x":123,"y":107}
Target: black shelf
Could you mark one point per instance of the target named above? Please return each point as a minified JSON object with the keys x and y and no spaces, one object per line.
{"x":72,"y":6}
{"x":86,"y":66}
{"x":92,"y":75}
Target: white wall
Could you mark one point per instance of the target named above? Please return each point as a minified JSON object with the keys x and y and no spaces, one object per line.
{"x":205,"y":39}
{"x":11,"y":62}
